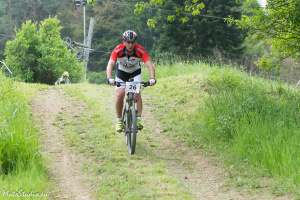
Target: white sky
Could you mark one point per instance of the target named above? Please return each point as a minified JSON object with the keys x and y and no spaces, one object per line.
{"x":262,"y":2}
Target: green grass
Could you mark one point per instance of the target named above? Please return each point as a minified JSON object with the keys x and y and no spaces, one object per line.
{"x":174,"y":70}
{"x":21,"y":164}
{"x":252,"y":123}
{"x":121,"y":176}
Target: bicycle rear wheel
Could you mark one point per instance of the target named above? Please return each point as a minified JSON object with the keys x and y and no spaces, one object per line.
{"x":132,"y":133}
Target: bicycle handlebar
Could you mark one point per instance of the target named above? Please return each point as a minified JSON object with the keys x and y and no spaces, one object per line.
{"x":144,"y":84}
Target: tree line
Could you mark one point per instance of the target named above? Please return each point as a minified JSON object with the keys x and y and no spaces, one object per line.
{"x":232,"y":30}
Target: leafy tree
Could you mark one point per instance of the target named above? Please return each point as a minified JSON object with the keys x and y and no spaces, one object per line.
{"x":110,"y":22}
{"x":180,"y":9}
{"x":254,"y":47}
{"x":200,"y":33}
{"x":41,"y":55}
{"x":55,"y":57}
{"x":91,"y":2}
{"x":22,"y":53}
{"x":278,"y":25}
{"x":14,"y":12}
{"x":36,"y":10}
{"x":184,"y":27}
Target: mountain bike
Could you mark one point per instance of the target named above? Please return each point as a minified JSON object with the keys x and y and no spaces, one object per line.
{"x":129,"y":114}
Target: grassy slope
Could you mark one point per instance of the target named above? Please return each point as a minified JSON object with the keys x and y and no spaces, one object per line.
{"x":21,"y":167}
{"x":252,"y":123}
{"x":142,"y":176}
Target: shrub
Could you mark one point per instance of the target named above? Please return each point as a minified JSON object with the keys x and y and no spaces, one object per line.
{"x":38,"y":54}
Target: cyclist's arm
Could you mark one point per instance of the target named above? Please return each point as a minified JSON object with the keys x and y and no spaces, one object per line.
{"x":147,"y":61}
{"x":151,"y":69}
{"x":109,"y":68}
{"x":111,"y":63}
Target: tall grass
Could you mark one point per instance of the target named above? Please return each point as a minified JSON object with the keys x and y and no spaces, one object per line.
{"x":252,"y":122}
{"x":259,"y":120}
{"x":21,"y":166}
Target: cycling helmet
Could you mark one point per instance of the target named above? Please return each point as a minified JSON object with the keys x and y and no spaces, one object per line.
{"x":129,"y":36}
{"x":66,"y":74}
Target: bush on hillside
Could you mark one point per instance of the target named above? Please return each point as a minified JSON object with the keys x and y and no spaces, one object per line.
{"x":38,"y":54}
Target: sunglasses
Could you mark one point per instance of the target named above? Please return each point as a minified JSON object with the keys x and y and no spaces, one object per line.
{"x":129,"y":42}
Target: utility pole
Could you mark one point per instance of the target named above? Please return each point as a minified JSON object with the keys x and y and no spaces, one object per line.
{"x":84,"y":42}
{"x":82,"y":3}
{"x":84,"y":26}
{"x":88,"y":43}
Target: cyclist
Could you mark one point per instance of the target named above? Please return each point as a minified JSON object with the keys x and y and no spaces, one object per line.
{"x":127,"y":56}
{"x":64,"y":79}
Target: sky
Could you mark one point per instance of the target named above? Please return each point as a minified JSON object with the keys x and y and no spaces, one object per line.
{"x":262,"y":2}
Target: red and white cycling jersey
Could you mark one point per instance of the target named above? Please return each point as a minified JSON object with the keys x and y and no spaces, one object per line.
{"x":129,"y":61}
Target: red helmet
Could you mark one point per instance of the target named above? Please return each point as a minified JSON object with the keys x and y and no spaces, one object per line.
{"x":129,"y":36}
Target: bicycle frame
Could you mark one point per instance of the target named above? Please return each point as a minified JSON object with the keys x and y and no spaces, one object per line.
{"x":129,"y":114}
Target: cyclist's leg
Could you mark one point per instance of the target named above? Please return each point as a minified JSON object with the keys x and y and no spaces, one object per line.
{"x":138,"y":78}
{"x":139,"y":105}
{"x":140,"y":126}
{"x":120,"y":94}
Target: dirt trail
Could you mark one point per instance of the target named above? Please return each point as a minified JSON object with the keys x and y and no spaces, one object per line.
{"x":64,"y":164}
{"x":200,"y":173}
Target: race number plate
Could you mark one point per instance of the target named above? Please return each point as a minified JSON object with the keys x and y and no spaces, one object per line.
{"x":132,"y":87}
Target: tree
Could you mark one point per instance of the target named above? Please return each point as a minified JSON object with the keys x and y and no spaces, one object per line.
{"x":110,"y":22}
{"x":22,"y":53}
{"x":55,"y":57}
{"x":40,"y":55}
{"x":178,"y":10}
{"x":254,"y":48}
{"x":14,"y":12}
{"x":201,"y":33}
{"x":278,"y":25}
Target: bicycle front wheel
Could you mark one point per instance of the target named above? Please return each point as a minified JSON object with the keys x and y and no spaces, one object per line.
{"x":131,"y":135}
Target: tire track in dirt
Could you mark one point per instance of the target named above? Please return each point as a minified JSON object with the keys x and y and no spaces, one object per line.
{"x":64,"y":165}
